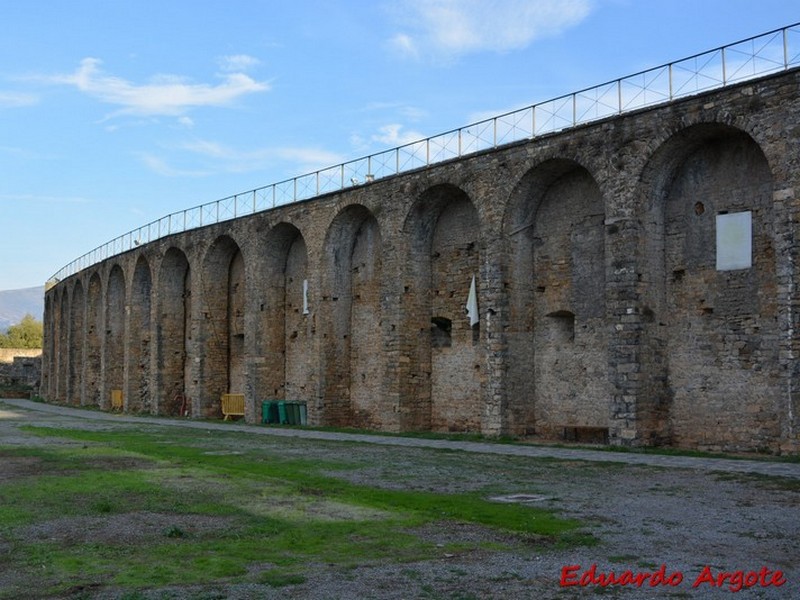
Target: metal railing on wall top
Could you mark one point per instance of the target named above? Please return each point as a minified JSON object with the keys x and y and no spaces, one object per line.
{"x":761,"y":55}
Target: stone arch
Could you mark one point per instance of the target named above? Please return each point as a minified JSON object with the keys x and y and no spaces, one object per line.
{"x":49,"y":347}
{"x":557,"y":354}
{"x":354,"y":366}
{"x":711,"y":329}
{"x":139,"y":348}
{"x":114,"y":363}
{"x":223,"y":331}
{"x":173,"y":333}
{"x":63,"y":358}
{"x":443,"y":386}
{"x":94,"y":341}
{"x":289,"y":317}
{"x":76,"y":338}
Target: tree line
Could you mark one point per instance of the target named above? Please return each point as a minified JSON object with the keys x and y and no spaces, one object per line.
{"x":28,"y":333}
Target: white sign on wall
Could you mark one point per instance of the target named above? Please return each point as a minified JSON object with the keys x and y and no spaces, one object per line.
{"x":734,"y":241}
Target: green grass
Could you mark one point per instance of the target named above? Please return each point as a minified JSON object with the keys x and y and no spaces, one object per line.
{"x":268,"y":517}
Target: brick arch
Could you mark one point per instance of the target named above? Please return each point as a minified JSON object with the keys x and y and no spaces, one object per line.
{"x":442,"y":388}
{"x":94,"y":341}
{"x":557,"y":338}
{"x":139,"y":339}
{"x":49,"y":346}
{"x":76,"y":342}
{"x":63,"y":354}
{"x":222,"y":329}
{"x":173,"y":333}
{"x":715,"y":321}
{"x":353,"y":358}
{"x":114,"y":354}
{"x":288,"y":317}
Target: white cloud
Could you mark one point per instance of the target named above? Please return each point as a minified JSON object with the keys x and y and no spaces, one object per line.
{"x":161,"y":167}
{"x":164,"y":95}
{"x":391,"y":135}
{"x":219,"y":158}
{"x":17,"y":99}
{"x":446,"y":29}
{"x":237,"y":63}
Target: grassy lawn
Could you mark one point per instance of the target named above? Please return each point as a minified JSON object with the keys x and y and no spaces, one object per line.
{"x":136,"y":510}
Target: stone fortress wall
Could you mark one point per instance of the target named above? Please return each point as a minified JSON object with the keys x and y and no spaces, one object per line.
{"x":635,"y":276}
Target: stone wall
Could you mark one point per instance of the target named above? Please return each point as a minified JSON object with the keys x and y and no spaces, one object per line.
{"x":606,"y":296}
{"x":7,"y":355}
{"x":23,"y":371}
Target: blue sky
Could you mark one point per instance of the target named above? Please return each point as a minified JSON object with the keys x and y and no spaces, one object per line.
{"x":115,"y":113}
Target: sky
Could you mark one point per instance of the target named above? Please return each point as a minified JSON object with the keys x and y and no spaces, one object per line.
{"x":115,"y":113}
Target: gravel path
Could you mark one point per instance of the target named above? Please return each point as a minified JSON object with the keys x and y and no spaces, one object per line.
{"x":695,"y":516}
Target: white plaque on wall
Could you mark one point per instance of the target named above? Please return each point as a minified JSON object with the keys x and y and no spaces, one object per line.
{"x":734,"y":241}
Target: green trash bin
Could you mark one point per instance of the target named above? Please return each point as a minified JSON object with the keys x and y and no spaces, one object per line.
{"x":269,"y":412}
{"x":264,"y":412}
{"x":303,"y":413}
{"x":282,"y":416}
{"x":293,"y":413}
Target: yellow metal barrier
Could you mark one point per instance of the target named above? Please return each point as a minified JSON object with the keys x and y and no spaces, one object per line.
{"x":232,"y":405}
{"x":116,"y":400}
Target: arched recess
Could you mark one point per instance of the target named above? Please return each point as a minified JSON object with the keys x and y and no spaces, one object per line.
{"x":712,"y":327}
{"x":63,"y":346}
{"x":94,"y":342}
{"x":76,"y":341}
{"x":48,"y":354}
{"x":223,"y":365}
{"x":173,"y":333}
{"x":354,"y":358}
{"x":558,"y":340}
{"x":288,"y":317}
{"x":114,"y":364}
{"x":442,"y":390}
{"x":139,"y":394}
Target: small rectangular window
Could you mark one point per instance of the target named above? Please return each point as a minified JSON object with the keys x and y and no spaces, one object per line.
{"x":734,"y":241}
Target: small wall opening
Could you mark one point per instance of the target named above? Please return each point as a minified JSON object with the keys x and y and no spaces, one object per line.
{"x":562,"y":326}
{"x":441,"y":332}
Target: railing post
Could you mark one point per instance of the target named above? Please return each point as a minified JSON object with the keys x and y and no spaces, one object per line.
{"x":785,"y":49}
{"x":724,"y":73}
{"x":494,"y":132}
{"x":670,"y":81}
{"x":574,"y":109}
{"x":254,"y":201}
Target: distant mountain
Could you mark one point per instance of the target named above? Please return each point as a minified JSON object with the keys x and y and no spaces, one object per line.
{"x":15,"y":304}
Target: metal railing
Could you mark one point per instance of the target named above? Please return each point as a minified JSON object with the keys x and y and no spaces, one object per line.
{"x":767,"y":53}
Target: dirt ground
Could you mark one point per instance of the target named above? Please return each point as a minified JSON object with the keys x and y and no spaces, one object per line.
{"x":697,"y":522}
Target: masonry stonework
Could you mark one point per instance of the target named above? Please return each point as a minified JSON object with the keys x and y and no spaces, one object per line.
{"x":602,"y":303}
